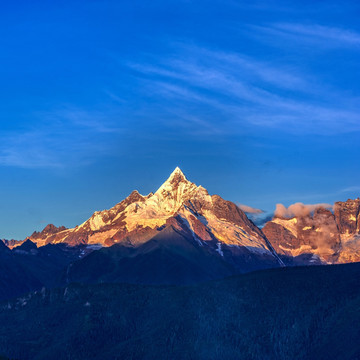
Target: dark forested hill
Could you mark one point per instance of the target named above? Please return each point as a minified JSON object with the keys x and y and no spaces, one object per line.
{"x":27,"y":268}
{"x":291,"y":313}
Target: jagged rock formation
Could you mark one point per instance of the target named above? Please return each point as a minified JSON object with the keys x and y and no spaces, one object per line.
{"x":330,"y":237}
{"x":47,"y":232}
{"x":12,"y":243}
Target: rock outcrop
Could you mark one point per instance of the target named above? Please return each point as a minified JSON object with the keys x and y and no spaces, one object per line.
{"x":332,"y":237}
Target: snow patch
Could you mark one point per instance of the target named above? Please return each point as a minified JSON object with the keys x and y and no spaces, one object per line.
{"x":314,"y":258}
{"x":219,"y":250}
{"x":189,"y":226}
{"x":289,"y":224}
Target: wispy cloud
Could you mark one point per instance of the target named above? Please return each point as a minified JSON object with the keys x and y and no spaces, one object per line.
{"x":244,"y":92}
{"x":320,"y":32}
{"x":74,"y":118}
{"x":350,"y":189}
{"x":61,"y":138}
{"x":260,"y":221}
{"x":321,"y":35}
{"x":257,"y":216}
{"x":249,"y":209}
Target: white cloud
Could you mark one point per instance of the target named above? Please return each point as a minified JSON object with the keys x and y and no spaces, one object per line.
{"x":250,"y":210}
{"x":298,"y":209}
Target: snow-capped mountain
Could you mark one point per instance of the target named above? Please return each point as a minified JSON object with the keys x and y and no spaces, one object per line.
{"x":330,"y":237}
{"x":208,"y":221}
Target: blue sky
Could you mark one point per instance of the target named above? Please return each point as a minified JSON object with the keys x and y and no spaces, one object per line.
{"x":258,"y":103}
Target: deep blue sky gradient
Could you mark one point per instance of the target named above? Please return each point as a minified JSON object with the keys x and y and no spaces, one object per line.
{"x":258,"y":103}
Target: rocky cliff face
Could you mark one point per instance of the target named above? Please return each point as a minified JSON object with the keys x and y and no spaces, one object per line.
{"x":48,"y":231}
{"x":347,"y":216}
{"x":348,"y":222}
{"x":332,"y":237}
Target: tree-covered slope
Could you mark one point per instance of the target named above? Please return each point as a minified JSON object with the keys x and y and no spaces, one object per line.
{"x":292,"y":313}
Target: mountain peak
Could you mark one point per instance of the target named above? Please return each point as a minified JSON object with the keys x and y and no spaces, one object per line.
{"x":27,"y":245}
{"x":177,"y":173}
{"x":176,"y":178}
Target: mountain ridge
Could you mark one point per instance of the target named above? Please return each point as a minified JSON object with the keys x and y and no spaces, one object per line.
{"x":217,"y":227}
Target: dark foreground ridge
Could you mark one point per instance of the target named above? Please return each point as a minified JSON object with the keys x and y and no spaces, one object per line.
{"x":291,"y":313}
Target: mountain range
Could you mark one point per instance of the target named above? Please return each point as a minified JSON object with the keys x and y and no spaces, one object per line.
{"x":179,"y":234}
